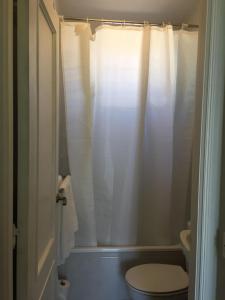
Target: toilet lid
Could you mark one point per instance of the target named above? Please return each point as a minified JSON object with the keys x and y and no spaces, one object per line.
{"x":157,"y":278}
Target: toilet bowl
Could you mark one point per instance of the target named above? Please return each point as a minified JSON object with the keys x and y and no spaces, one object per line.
{"x":157,"y":282}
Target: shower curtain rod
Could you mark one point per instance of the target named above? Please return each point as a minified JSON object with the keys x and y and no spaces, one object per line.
{"x":129,"y":23}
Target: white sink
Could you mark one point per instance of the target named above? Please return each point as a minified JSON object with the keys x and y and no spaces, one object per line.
{"x":185,"y":239}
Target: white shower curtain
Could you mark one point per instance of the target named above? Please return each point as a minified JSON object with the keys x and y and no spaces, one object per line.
{"x":129,"y":95}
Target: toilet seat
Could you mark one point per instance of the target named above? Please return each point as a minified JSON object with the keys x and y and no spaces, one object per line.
{"x":158,"y":279}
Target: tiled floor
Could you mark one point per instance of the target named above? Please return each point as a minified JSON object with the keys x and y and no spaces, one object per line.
{"x":100,"y":276}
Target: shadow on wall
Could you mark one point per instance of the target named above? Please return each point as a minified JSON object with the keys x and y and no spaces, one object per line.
{"x":64,"y":169}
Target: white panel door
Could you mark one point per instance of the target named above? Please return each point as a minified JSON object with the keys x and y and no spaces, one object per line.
{"x":37,"y":149}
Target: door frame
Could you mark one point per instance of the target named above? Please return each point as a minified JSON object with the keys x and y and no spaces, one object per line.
{"x":208,"y":152}
{"x":6,"y":149}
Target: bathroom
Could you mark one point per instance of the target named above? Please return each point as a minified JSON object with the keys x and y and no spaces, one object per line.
{"x":126,"y":133}
{"x":112,"y":151}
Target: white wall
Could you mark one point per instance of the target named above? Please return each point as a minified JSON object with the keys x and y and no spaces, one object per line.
{"x":175,"y":11}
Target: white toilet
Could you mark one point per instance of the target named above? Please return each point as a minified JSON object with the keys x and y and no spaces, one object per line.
{"x":159,"y":281}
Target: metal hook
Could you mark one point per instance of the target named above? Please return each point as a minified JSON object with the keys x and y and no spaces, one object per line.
{"x":184,"y":26}
{"x":146,"y":23}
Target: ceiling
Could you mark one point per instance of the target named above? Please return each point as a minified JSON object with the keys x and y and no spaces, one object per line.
{"x":175,"y":11}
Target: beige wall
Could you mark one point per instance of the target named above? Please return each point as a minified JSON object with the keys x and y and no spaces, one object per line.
{"x":176,"y":11}
{"x":196,"y":14}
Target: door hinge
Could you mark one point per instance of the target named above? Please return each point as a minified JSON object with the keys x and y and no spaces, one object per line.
{"x":15,"y":235}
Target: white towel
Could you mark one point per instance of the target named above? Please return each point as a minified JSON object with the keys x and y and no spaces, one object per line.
{"x":68,"y":222}
{"x":59,"y":180}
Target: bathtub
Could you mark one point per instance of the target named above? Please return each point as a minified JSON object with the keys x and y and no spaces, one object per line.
{"x":97,"y":273}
